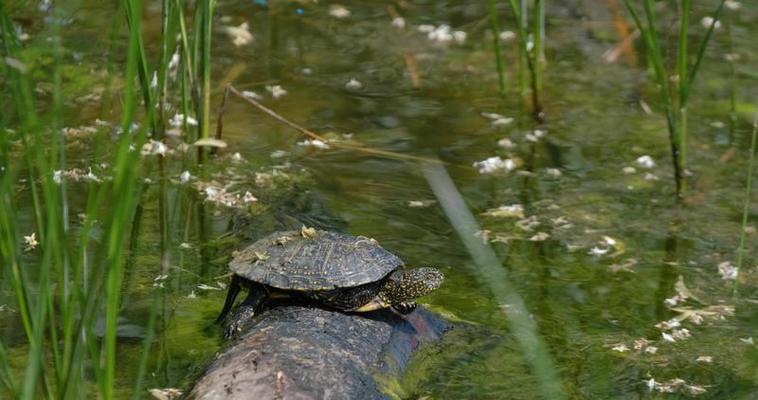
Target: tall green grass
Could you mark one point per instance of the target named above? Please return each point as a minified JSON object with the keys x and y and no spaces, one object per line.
{"x":674,"y":100}
{"x":75,"y":276}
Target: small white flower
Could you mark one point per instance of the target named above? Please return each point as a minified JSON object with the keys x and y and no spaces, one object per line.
{"x":459,"y":36}
{"x":314,"y":143}
{"x":185,"y":245}
{"x":185,"y":177}
{"x":420,"y":203}
{"x":708,"y":21}
{"x":425,"y":28}
{"x":732,"y":5}
{"x":154,"y":147}
{"x":31,"y":241}
{"x":249,"y":198}
{"x":240,"y":35}
{"x":236,"y":157}
{"x":502,"y":121}
{"x":667,"y":337}
{"x":338,"y":11}
{"x":597,"y":251}
{"x":506,"y":211}
{"x":505,"y":143}
{"x":494,"y":164}
{"x":251,"y":95}
{"x":58,"y":176}
{"x":728,"y":271}
{"x":398,"y":22}
{"x":645,"y":161}
{"x":621,"y":348}
{"x":353,"y":84}
{"x":276,"y":91}
{"x":629,"y":170}
{"x":507,"y":36}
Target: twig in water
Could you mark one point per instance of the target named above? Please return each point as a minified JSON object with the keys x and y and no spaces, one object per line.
{"x":313,"y":135}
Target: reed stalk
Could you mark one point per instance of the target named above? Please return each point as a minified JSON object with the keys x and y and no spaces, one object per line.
{"x":746,"y":207}
{"x":495,"y":25}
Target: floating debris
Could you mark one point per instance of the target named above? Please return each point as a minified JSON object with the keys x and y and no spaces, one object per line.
{"x":210,"y":142}
{"x":308,"y":233}
{"x":240,"y":35}
{"x":728,"y":271}
{"x":506,"y":211}
{"x":160,"y":280}
{"x":185,"y":245}
{"x":483,"y":234}
{"x":338,"y":11}
{"x":75,"y":174}
{"x":747,"y":340}
{"x":442,"y":33}
{"x":604,"y":246}
{"x":166,"y":394}
{"x":629,"y":170}
{"x":276,"y":91}
{"x":626,"y":266}
{"x":540,"y":237}
{"x":704,"y":359}
{"x":237,"y":157}
{"x":421,"y":203}
{"x":16,"y":64}
{"x":31,"y":241}
{"x":203,"y":286}
{"x":494,"y":164}
{"x":643,"y":345}
{"x":554,"y":172}
{"x":398,"y":22}
{"x":645,"y":161}
{"x":178,"y":120}
{"x":353,"y":84}
{"x":154,"y":147}
{"x":675,"y":385}
{"x":528,"y":224}
{"x":497,"y":119}
{"x":536,"y":135}
{"x":319,"y":144}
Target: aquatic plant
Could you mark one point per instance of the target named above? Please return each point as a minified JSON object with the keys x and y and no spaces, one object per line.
{"x":531,"y":51}
{"x":674,"y":100}
{"x":746,"y":208}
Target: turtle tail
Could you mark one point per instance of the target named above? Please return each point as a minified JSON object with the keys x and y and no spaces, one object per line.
{"x":234,"y":288}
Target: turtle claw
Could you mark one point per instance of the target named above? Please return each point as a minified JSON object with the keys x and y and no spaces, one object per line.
{"x":405,"y":307}
{"x":241,"y":316}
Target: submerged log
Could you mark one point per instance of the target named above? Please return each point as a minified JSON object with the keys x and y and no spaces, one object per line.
{"x":293,"y":352}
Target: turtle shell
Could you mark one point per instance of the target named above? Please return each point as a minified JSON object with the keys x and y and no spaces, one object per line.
{"x":311,"y":259}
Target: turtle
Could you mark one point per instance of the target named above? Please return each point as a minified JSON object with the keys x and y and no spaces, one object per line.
{"x":336,"y":270}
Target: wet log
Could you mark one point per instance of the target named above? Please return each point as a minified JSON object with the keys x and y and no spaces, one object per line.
{"x":293,"y":352}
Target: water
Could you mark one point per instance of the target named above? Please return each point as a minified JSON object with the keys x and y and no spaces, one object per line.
{"x":589,"y":306}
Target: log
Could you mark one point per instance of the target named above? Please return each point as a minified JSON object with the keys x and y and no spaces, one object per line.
{"x":295,"y":352}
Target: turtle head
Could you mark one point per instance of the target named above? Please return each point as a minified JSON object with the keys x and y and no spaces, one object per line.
{"x":403,"y":286}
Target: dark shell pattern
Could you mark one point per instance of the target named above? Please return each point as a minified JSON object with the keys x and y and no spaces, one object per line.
{"x":311,"y":259}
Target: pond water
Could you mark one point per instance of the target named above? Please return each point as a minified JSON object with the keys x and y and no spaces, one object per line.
{"x":597,"y":253}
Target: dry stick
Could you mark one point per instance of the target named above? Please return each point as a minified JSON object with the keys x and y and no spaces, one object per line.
{"x":313,"y":135}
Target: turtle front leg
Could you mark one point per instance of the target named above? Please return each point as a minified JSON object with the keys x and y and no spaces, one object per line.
{"x":404,"y":308}
{"x":245,"y":312}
